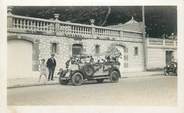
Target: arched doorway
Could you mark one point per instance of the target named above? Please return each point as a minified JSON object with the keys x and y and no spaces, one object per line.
{"x":19,"y":58}
{"x":121,"y":59}
{"x":124,"y":56}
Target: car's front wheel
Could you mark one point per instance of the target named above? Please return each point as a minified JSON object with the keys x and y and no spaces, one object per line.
{"x":77,"y":79}
{"x":114,"y":76}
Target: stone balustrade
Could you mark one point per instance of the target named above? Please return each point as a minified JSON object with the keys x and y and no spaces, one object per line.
{"x":30,"y":25}
{"x":22,"y":24}
{"x":55,"y":27}
{"x":73,"y":29}
{"x":155,"y":42}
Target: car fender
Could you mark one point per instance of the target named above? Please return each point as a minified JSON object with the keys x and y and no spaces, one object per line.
{"x":115,"y":69}
{"x":80,"y":71}
{"x":67,"y":74}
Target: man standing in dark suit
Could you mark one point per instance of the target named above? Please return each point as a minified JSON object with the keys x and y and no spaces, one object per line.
{"x":51,"y":64}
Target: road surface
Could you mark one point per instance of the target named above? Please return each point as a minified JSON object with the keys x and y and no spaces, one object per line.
{"x":157,"y":90}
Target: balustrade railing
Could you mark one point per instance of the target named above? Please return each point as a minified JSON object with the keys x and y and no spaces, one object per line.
{"x":161,"y":42}
{"x":101,"y":31}
{"x":169,"y":42}
{"x":29,"y":24}
{"x":155,"y":41}
{"x":75,"y":30}
{"x":45,"y":26}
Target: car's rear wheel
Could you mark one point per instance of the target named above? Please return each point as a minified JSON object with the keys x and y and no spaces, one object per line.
{"x":114,"y":76}
{"x":100,"y":80}
{"x":77,"y":79}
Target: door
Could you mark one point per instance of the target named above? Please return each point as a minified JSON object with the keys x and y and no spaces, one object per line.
{"x":169,"y":56}
{"x":19,"y":59}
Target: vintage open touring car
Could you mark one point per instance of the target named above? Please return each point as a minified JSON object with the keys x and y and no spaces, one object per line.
{"x":170,"y":69}
{"x":85,"y":68}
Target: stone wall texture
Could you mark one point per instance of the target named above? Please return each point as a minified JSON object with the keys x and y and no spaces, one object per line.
{"x":131,"y":62}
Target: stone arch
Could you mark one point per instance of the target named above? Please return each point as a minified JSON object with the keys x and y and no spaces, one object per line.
{"x":35,"y":48}
{"x":119,"y":44}
{"x":124,"y":58}
{"x":18,"y":37}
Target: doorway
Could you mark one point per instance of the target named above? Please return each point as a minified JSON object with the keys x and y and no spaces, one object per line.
{"x":19,"y":58}
{"x":169,"y":57}
{"x":121,"y":59}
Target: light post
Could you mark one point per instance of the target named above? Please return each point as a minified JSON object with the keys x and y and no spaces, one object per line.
{"x":144,"y":40}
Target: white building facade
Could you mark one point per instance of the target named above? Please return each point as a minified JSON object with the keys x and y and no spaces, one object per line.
{"x":32,"y":39}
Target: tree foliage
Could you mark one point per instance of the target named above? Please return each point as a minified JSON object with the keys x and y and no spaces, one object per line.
{"x":159,"y":19}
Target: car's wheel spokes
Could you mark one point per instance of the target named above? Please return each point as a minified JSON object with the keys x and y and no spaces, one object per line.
{"x":77,"y":79}
{"x":114,"y":76}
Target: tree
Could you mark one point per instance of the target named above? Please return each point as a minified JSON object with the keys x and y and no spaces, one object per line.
{"x":158,"y":19}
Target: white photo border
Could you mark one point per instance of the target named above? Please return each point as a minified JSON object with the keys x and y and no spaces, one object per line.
{"x":95,"y":109}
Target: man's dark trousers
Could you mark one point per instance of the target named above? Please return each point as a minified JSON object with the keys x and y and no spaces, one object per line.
{"x":51,"y":73}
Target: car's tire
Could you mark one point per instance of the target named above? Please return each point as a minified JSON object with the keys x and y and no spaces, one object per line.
{"x":63,"y":82}
{"x":114,"y":76}
{"x":165,"y":72}
{"x":100,"y":80}
{"x":88,"y":70}
{"x":77,"y":79}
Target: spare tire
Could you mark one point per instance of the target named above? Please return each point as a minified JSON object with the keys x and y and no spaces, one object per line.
{"x":88,"y":70}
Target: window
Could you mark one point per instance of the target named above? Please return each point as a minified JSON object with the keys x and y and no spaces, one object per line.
{"x":126,"y":50}
{"x":76,"y":49}
{"x":97,"y":49}
{"x":54,"y":48}
{"x":135,"y":51}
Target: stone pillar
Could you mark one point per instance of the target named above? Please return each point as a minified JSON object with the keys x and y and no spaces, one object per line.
{"x":145,"y":49}
{"x":10,"y":19}
{"x":92,"y":21}
{"x":163,"y":43}
{"x":121,"y":34}
{"x":35,"y":56}
{"x":56,"y":17}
